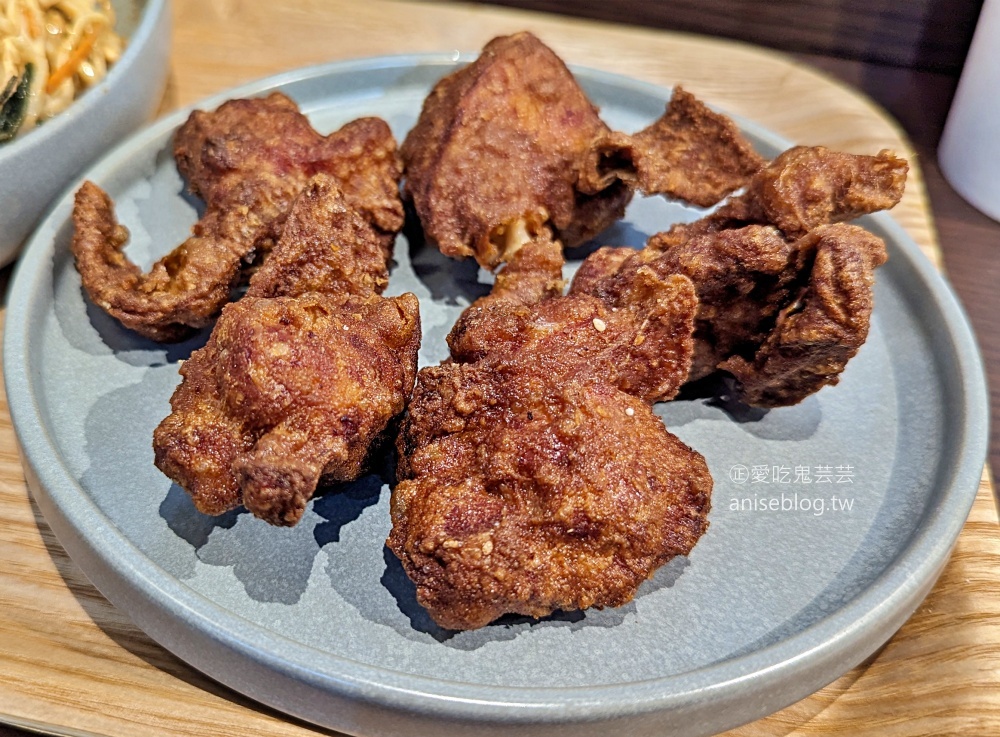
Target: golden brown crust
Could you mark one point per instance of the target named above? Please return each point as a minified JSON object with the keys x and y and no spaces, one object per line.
{"x":258,"y":153}
{"x":325,"y":247}
{"x":806,"y":187}
{"x":690,"y":153}
{"x":287,"y":390}
{"x":644,"y":349}
{"x":743,"y":277}
{"x":564,"y":500}
{"x":532,"y":272}
{"x":533,"y":474}
{"x":645,"y":352}
{"x":248,"y":159}
{"x":502,"y":140}
{"x":822,"y":328}
{"x":784,"y":296}
{"x":180,"y":292}
{"x":693,"y":154}
{"x":196,"y":444}
{"x":513,"y":137}
{"x":301,"y":377}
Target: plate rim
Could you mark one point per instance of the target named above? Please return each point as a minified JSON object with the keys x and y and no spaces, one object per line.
{"x":891,"y":596}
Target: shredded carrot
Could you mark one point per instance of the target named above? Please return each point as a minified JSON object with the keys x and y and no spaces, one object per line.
{"x":75,"y":59}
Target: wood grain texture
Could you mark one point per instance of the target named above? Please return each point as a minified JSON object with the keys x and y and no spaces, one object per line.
{"x":72,"y":664}
{"x":922,"y":34}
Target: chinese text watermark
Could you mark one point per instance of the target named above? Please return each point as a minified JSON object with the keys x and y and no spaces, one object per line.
{"x":765,"y":474}
{"x":768,"y":488}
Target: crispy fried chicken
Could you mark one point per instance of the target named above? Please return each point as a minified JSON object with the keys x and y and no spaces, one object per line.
{"x":691,"y":154}
{"x":533,"y":474}
{"x":784,"y":289}
{"x":300,"y":378}
{"x":248,"y":160}
{"x":513,"y":137}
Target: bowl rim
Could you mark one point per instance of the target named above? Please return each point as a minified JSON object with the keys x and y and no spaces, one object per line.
{"x":92,"y":98}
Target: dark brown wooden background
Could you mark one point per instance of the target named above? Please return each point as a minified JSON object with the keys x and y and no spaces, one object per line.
{"x":920,"y":34}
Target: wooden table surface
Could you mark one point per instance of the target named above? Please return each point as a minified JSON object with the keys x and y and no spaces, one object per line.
{"x":72,"y":664}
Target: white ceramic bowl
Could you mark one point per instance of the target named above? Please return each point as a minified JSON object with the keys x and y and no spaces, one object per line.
{"x":37,"y":166}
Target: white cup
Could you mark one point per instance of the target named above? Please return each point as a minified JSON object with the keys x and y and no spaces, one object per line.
{"x":969,"y":151}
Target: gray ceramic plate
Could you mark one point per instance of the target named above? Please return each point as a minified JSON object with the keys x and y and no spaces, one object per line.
{"x":830,"y":520}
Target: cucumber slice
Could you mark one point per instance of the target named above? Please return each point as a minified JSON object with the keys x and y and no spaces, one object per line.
{"x":15,"y":106}
{"x":9,"y":90}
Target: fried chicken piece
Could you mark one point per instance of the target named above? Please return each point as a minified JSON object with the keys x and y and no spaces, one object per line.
{"x":533,"y":474}
{"x":183,"y":290}
{"x":806,"y":187}
{"x":287,"y":391}
{"x":248,"y":160}
{"x":822,"y":328}
{"x":270,"y":140}
{"x":743,"y":278}
{"x":783,"y":303}
{"x":533,"y":267}
{"x":644,"y":349}
{"x":513,"y":136}
{"x":301,"y":377}
{"x":540,"y":502}
{"x":645,"y":352}
{"x":502,"y":139}
{"x":803,"y":188}
{"x":325,"y":247}
{"x":691,"y":153}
